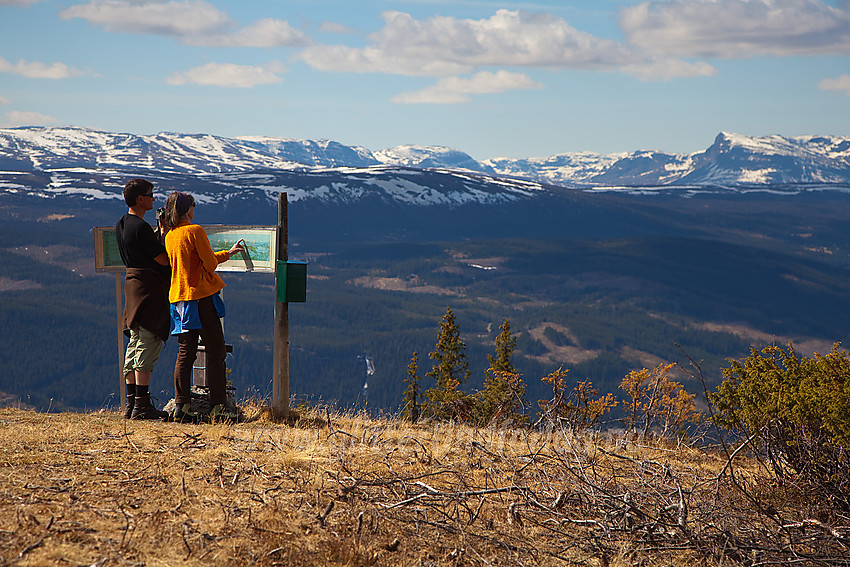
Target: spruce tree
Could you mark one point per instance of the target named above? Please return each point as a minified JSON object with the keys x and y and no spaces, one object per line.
{"x":413,"y":393}
{"x":450,"y":370}
{"x":503,"y":396}
{"x":505,"y":346}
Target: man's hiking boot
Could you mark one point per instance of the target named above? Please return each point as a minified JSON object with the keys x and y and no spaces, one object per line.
{"x":128,"y":410}
{"x":144,"y":409}
{"x":183,"y":414}
{"x":220,"y":414}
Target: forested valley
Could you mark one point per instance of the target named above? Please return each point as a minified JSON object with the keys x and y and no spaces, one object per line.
{"x":706,"y":287}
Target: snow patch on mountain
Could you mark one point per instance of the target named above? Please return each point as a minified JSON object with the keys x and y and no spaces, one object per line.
{"x":428,"y":157}
{"x":50,"y":161}
{"x":561,"y":169}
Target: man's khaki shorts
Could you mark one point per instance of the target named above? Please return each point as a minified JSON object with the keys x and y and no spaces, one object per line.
{"x":143,"y":350}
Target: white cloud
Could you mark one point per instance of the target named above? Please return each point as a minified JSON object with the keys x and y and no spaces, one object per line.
{"x":37,"y":70}
{"x":374,"y":60}
{"x":842,"y":83}
{"x":737,"y":28}
{"x":451,"y":90}
{"x":193,"y":22}
{"x":229,"y":75}
{"x":449,"y":46}
{"x":23,"y":118}
{"x":268,"y":32}
{"x":4,"y":100}
{"x":444,"y":46}
{"x":186,"y":17}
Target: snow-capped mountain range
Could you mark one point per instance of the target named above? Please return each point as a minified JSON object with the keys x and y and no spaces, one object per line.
{"x":731,"y":161}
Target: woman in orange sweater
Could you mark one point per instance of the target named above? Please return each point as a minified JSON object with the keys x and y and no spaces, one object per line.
{"x":196,"y":306}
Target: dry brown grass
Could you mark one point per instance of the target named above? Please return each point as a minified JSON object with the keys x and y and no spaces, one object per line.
{"x":330,"y":489}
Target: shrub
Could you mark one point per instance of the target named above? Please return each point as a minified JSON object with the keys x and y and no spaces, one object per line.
{"x":578,"y":408}
{"x":796,"y":414}
{"x":656,"y":401}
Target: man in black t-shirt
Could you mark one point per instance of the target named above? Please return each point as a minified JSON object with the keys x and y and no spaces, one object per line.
{"x":146,"y":309}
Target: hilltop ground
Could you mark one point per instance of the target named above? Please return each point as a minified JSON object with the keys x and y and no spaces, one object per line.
{"x":330,"y":489}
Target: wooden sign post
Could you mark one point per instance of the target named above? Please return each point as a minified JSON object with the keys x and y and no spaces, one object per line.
{"x":280,"y":371}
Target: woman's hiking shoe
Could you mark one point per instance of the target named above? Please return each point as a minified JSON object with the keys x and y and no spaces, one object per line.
{"x":183,"y":414}
{"x":143,"y":408}
{"x":221,"y":414}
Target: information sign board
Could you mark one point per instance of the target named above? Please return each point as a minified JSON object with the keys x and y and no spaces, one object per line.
{"x":260,"y":245}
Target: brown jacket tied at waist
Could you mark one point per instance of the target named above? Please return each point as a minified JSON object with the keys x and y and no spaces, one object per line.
{"x":146,"y":302}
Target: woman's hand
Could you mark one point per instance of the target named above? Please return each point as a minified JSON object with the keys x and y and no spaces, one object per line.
{"x":237,"y":248}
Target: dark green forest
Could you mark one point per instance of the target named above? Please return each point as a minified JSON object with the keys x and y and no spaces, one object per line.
{"x":599,"y":306}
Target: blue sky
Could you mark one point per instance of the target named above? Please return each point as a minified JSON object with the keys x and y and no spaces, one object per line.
{"x":513,"y":79}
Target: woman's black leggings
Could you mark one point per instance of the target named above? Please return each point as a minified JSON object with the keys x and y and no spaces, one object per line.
{"x":215,"y":350}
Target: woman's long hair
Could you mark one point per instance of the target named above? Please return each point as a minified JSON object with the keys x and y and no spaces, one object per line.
{"x":176,"y":206}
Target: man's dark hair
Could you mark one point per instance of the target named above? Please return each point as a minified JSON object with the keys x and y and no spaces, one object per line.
{"x":134,"y":188}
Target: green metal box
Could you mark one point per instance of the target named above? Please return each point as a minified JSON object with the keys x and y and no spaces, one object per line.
{"x":291,"y":282}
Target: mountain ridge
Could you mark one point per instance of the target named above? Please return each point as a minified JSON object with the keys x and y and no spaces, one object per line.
{"x":732,"y":160}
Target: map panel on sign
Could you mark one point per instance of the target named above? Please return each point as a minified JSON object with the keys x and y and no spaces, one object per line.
{"x":259,"y":256}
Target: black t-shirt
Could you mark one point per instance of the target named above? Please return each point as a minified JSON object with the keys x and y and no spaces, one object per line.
{"x":138,"y":244}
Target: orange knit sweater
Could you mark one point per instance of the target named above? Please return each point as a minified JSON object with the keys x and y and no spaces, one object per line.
{"x":193,"y":263}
